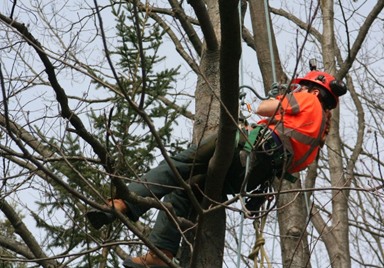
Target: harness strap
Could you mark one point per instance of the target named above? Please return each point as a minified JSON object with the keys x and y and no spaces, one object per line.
{"x":252,"y":137}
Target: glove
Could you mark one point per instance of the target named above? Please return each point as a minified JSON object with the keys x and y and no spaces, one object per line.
{"x":276,"y":89}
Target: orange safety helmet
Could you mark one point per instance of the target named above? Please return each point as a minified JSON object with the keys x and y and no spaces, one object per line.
{"x":333,"y":88}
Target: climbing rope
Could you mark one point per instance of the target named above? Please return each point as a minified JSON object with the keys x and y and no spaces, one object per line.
{"x":258,"y":254}
{"x":258,"y":223}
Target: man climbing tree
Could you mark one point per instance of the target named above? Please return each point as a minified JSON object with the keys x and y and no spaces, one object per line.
{"x":287,"y":141}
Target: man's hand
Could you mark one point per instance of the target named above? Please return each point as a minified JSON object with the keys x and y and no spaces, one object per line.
{"x":277,"y":89}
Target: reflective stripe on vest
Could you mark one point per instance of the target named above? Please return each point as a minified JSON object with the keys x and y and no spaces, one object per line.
{"x":293,"y":103}
{"x":286,"y":133}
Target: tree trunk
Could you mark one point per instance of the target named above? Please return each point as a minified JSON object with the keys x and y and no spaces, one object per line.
{"x":339,"y":249}
{"x":207,"y":107}
{"x":209,"y":243}
{"x":207,"y":111}
{"x":292,"y":217}
{"x":263,"y":51}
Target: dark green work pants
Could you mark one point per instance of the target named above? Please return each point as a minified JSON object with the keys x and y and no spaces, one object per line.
{"x":160,"y":182}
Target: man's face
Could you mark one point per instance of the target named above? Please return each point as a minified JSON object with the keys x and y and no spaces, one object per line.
{"x":314,"y":91}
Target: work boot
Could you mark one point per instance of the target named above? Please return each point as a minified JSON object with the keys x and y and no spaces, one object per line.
{"x":98,"y":218}
{"x":149,"y":260}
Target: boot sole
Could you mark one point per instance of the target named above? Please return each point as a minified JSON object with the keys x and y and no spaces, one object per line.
{"x":99,"y":218}
{"x":128,"y":263}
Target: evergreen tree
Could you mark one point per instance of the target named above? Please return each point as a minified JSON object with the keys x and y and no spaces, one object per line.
{"x":123,"y":132}
{"x":142,"y":82}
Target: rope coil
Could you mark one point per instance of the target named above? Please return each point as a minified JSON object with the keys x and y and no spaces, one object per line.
{"x":259,"y":254}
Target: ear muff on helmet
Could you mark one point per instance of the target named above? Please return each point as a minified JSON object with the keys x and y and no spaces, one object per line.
{"x":329,"y":98}
{"x":338,"y":87}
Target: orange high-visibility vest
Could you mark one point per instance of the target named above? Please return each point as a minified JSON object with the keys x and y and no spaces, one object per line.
{"x":300,"y":125}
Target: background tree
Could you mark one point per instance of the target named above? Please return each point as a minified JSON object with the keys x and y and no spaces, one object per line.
{"x":87,"y":99}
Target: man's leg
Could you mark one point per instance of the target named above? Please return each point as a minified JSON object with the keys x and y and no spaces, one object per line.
{"x":156,"y":183}
{"x":165,"y":234}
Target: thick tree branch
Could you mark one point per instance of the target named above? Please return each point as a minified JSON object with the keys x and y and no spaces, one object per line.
{"x":358,"y":148}
{"x":211,"y":225}
{"x":17,"y":247}
{"x":187,"y":26}
{"x":205,"y":24}
{"x":229,"y":93}
{"x":22,"y":230}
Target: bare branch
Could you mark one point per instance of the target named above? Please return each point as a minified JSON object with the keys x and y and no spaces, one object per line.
{"x":361,"y":36}
{"x":60,"y":93}
{"x":189,"y":30}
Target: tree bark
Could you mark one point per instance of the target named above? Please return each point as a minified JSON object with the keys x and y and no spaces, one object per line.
{"x":261,"y":37}
{"x":207,"y":106}
{"x":340,"y":254}
{"x":292,"y":217}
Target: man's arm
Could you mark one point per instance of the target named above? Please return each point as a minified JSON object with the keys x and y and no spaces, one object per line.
{"x":268,"y":107}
